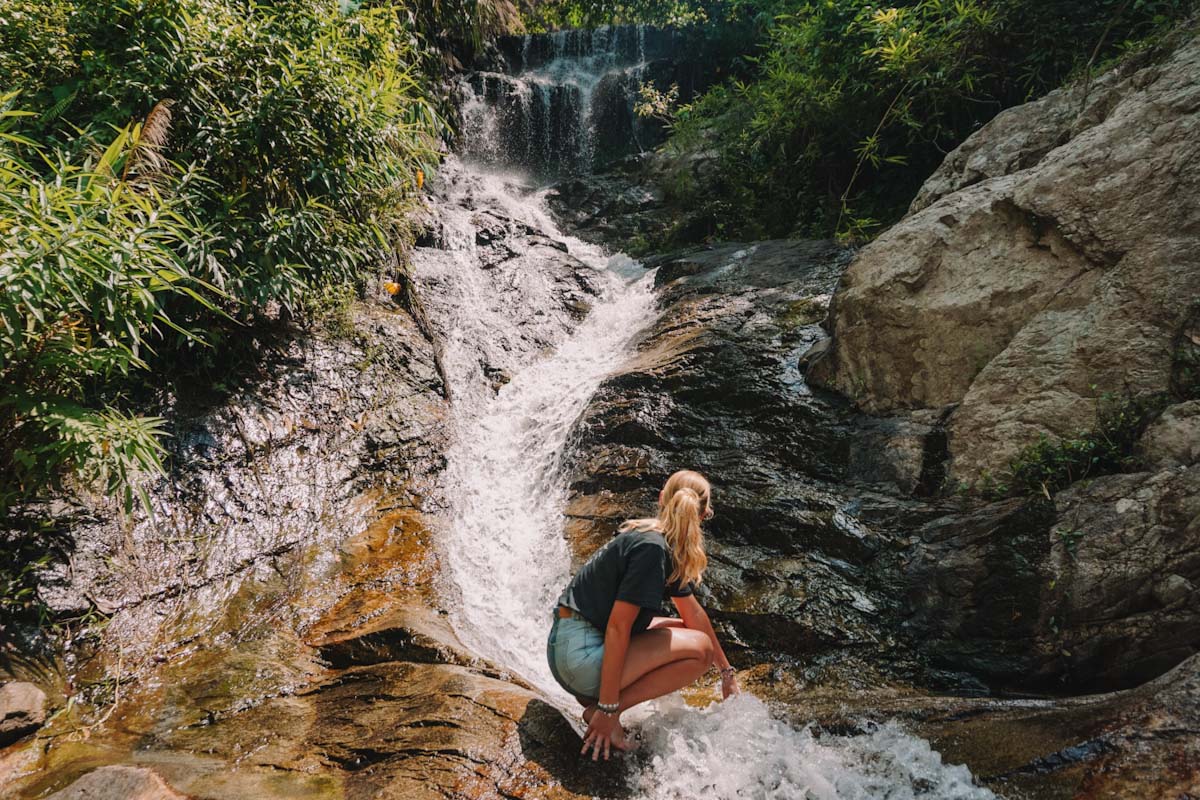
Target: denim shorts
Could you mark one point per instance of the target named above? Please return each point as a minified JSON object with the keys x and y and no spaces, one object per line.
{"x":575,"y":650}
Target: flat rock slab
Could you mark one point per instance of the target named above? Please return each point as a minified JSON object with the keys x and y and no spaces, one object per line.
{"x":119,"y":783}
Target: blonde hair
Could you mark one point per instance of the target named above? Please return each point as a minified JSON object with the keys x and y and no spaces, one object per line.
{"x":685,"y":500}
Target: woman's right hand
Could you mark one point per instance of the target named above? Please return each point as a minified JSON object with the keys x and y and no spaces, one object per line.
{"x":729,"y":685}
{"x":604,"y":732}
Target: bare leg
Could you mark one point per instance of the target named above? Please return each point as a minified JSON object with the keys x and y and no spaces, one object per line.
{"x":657,"y":623}
{"x":666,"y":657}
{"x":662,"y":660}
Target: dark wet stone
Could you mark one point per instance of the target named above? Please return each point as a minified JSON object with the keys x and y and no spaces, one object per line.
{"x":715,"y":386}
{"x":972,"y":590}
{"x":622,"y":206}
{"x":1121,"y":602}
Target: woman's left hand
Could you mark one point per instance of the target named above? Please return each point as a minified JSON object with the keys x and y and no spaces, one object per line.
{"x":729,"y":685}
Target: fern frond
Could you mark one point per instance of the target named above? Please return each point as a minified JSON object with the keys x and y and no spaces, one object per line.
{"x":57,"y":110}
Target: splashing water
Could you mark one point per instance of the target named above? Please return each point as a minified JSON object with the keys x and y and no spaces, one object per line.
{"x":571,"y":102}
{"x":737,"y":749}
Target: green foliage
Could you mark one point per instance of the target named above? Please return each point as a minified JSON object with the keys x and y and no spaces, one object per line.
{"x":1050,"y":465}
{"x":560,"y":14}
{"x":88,"y":256}
{"x":305,"y":129}
{"x":854,"y":104}
{"x":34,"y":42}
{"x":308,"y":125}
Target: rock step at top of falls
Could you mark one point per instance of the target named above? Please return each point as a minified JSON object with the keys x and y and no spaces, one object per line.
{"x":621,"y":43}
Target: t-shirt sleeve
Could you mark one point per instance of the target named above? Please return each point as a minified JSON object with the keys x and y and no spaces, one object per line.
{"x":645,"y":574}
{"x":677,"y":590}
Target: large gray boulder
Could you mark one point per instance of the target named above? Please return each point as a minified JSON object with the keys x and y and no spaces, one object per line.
{"x":1053,"y":258}
{"x":1174,"y":438}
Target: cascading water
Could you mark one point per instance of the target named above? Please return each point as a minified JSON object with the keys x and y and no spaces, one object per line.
{"x":504,"y":555}
{"x":569,"y":102}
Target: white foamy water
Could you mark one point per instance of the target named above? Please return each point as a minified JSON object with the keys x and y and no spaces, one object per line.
{"x":504,"y":469}
{"x":737,"y":750}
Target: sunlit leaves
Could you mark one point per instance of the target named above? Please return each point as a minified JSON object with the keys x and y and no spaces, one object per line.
{"x":856,"y":102}
{"x":87,"y":263}
{"x":306,"y":131}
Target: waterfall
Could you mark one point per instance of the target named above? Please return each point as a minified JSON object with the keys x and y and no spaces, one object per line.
{"x":566,"y":104}
{"x":503,"y":555}
{"x":504,"y":551}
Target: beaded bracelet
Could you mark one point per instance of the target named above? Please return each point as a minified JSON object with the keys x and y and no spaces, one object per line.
{"x":609,"y":708}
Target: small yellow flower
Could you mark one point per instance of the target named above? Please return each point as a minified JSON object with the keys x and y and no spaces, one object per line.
{"x":420,"y":179}
{"x":391,"y":287}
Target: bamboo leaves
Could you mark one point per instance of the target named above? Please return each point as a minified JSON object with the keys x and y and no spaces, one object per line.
{"x":88,"y":265}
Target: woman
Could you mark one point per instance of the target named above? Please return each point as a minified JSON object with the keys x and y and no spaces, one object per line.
{"x":606,"y":645}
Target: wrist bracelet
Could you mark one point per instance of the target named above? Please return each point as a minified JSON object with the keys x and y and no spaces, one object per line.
{"x":726,"y":671}
{"x":609,"y":708}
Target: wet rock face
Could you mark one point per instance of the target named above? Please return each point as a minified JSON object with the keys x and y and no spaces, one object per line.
{"x":299,"y":458}
{"x":22,"y":710}
{"x":715,"y":386}
{"x":620,"y":207}
{"x":1034,"y":275}
{"x":972,"y":591}
{"x":1095,"y":592}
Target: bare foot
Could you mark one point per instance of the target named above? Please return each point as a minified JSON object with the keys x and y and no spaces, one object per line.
{"x":620,"y":738}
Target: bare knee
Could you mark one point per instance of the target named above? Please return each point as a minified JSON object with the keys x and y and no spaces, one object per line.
{"x":708,"y":652}
{"x":700,"y":647}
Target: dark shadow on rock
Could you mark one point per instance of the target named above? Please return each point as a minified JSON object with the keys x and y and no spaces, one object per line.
{"x":548,"y":741}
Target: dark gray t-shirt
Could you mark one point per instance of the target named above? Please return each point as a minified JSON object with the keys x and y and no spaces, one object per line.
{"x":632,"y":567}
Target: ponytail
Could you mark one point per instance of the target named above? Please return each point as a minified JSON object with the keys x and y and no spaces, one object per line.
{"x":684,"y":502}
{"x":680,"y":517}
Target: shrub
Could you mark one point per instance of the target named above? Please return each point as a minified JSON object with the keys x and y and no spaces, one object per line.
{"x":1050,"y":465}
{"x":89,"y":256}
{"x":308,"y":124}
{"x":855,"y":104}
{"x":304,"y":128}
